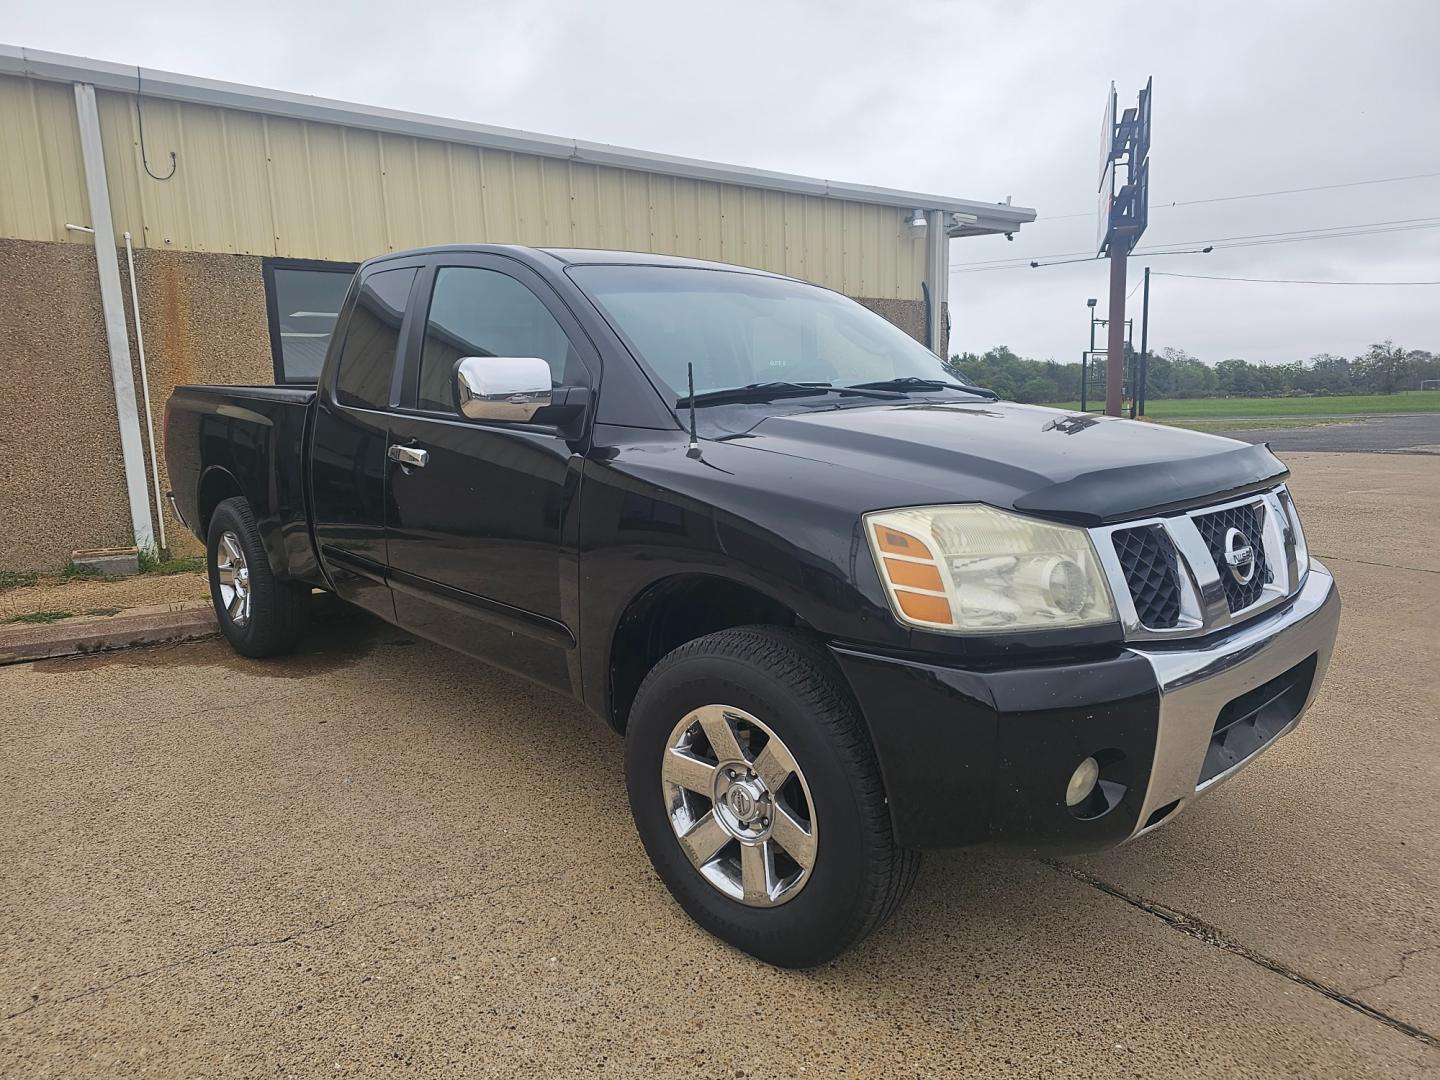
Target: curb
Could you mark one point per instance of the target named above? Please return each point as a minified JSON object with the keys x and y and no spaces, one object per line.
{"x":19,"y":644}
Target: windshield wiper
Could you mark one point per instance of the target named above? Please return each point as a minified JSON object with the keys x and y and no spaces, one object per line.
{"x":910,"y":383}
{"x":769,"y":391}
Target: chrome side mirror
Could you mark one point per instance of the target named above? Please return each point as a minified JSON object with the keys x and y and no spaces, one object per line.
{"x":502,"y":387}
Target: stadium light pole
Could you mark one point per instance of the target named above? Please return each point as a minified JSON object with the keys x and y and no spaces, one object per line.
{"x":1141,"y":385}
{"x":1085,"y":358}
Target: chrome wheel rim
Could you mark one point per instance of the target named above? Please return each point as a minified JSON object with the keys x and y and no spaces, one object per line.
{"x":234,"y":577}
{"x":739,"y":805}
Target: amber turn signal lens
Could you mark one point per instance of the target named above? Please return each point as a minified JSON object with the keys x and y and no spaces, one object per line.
{"x":914,"y":575}
{"x":923,"y":608}
{"x":895,"y":542}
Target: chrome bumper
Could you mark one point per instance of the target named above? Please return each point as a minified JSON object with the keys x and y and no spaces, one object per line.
{"x":1196,"y":683}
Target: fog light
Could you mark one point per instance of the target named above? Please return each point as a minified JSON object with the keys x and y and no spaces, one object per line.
{"x":1082,"y":782}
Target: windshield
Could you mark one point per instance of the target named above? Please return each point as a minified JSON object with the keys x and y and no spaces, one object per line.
{"x":739,"y":329}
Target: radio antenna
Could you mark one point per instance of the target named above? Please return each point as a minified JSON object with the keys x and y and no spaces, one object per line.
{"x":693,"y":450}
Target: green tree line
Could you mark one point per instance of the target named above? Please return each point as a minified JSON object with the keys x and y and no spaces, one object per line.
{"x":1383,"y":369}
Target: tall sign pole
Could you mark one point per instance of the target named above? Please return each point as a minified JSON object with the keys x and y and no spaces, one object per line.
{"x":1124,"y":213}
{"x":1115,"y":345}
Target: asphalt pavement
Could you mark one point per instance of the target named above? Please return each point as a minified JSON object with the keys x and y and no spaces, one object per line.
{"x":380,"y":858}
{"x":1408,"y":433}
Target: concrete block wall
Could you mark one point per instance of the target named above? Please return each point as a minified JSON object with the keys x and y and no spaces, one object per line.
{"x":62,"y":483}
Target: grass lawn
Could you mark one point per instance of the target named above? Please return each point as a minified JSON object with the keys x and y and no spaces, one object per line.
{"x":150,"y":564}
{"x":1259,"y":408}
{"x":39,"y":617}
{"x":153,"y":564}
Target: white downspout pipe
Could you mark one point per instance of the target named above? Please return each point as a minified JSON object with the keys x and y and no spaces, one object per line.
{"x":112,"y":305}
{"x":937,"y":276}
{"x":145,"y":392}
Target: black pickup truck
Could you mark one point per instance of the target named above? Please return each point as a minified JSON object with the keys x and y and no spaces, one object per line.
{"x":842,"y":605}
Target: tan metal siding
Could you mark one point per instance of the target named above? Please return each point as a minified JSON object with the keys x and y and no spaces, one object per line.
{"x":266,"y":185}
{"x":42,"y":180}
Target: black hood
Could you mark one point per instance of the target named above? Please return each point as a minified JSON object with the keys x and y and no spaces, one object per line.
{"x":1073,"y":467}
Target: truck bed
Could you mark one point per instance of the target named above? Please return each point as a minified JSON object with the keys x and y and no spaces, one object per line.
{"x":251,"y":440}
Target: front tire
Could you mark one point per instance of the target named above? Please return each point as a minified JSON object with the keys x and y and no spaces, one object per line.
{"x":258,"y":615}
{"x":758,"y":798}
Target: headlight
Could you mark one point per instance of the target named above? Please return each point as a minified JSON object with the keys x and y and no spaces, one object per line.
{"x":973,"y":569}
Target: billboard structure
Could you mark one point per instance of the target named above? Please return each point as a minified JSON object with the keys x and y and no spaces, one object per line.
{"x":1124,"y":146}
{"x":1123,"y":215}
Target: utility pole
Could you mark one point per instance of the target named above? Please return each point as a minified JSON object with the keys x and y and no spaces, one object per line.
{"x":1140,"y":385}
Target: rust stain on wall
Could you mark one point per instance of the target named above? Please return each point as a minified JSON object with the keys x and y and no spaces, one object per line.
{"x":205,"y":322}
{"x":174,"y":322}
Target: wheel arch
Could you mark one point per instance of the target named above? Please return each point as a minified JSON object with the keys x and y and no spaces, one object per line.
{"x":672,"y":610}
{"x":216,"y":485}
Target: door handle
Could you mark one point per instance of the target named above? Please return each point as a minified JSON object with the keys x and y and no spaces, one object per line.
{"x":411,"y":456}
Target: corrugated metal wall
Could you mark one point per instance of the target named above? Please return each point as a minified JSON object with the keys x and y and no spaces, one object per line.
{"x":42,"y":181}
{"x":258,"y":185}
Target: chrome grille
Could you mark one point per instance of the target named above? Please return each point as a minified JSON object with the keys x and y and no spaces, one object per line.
{"x":1249,"y":521}
{"x":1170,"y":577}
{"x":1152,"y":572}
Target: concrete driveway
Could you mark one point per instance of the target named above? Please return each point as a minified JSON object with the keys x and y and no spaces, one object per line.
{"x":380,"y":858}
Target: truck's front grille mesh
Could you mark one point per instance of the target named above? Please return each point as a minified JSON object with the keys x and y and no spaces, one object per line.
{"x":1152,"y":572}
{"x":1250,"y":521}
{"x":1167,"y":573}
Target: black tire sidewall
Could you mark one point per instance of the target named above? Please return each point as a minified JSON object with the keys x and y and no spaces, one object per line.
{"x":803,"y":931}
{"x":248,"y":639}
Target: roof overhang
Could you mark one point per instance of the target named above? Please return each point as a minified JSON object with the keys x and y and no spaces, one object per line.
{"x":988,"y":218}
{"x":992,"y":219}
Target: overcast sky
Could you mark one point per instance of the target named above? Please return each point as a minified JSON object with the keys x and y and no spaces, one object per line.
{"x":976,"y":100}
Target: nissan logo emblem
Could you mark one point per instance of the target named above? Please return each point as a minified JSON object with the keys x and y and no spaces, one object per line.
{"x":1239,"y":556}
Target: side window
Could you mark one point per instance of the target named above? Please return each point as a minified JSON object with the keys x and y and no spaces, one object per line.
{"x":475,"y":312}
{"x":302,"y":300}
{"x":367,"y":361}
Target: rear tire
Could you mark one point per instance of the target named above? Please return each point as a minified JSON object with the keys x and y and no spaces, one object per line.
{"x":258,"y":615}
{"x":768,"y":684}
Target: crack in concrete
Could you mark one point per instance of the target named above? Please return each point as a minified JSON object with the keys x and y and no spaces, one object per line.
{"x":1203,"y":931}
{"x":265,"y":943}
{"x":1367,"y":562}
{"x":1405,"y":958}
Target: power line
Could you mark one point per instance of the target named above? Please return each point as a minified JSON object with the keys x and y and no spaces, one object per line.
{"x":1215,"y":240}
{"x":1334,"y":232}
{"x":1283,"y":281}
{"x":1337,"y":234}
{"x":1258,"y":195}
{"x":1319,"y":229}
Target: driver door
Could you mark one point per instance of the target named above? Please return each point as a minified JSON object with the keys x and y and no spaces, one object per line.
{"x":476,"y":534}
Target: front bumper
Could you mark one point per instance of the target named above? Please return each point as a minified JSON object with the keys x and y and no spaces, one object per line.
{"x":983,"y":756}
